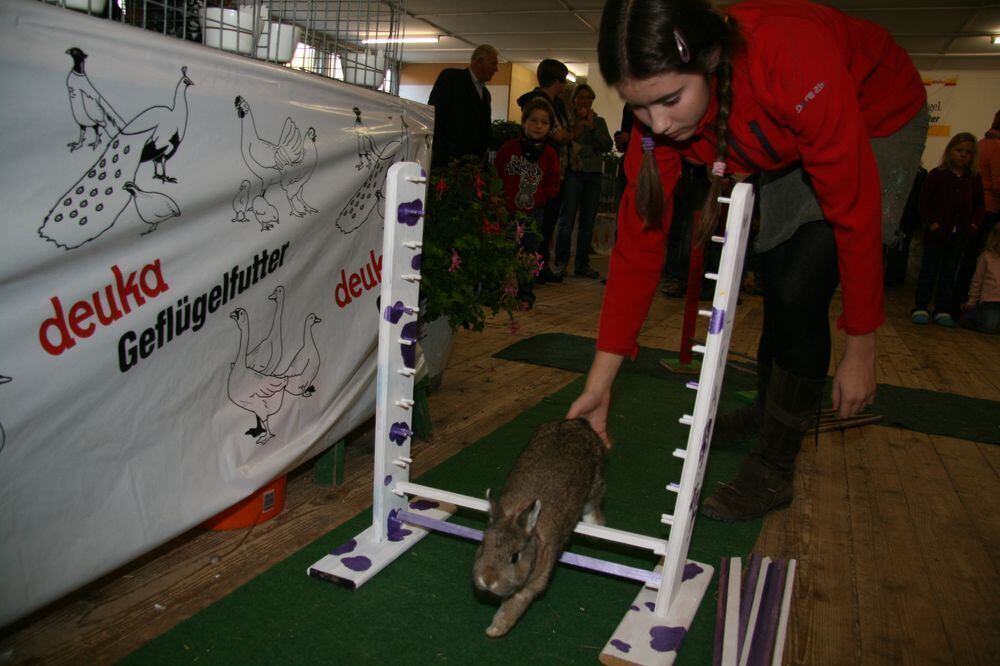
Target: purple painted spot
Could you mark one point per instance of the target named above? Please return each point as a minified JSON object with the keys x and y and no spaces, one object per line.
{"x":690,"y":571}
{"x":717,"y":321}
{"x":423,"y":174}
{"x":359,"y":563}
{"x":410,"y":212}
{"x":423,"y":505}
{"x":387,"y":480}
{"x":399,"y":432}
{"x":395,"y":312}
{"x":409,"y":351}
{"x":416,"y":261}
{"x":396,"y":530}
{"x":345,"y":548}
{"x":621,"y":645}
{"x":666,"y":639}
{"x":633,"y":607}
{"x":650,"y":605}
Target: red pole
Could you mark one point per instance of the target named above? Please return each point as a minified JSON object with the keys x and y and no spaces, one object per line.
{"x":693,"y":291}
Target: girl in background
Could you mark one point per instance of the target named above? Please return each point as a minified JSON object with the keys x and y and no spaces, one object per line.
{"x":529,"y":168}
{"x":951,"y":207}
{"x":982,"y":310}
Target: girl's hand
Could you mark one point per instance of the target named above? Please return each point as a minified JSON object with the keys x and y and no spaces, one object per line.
{"x":593,"y":407}
{"x":593,"y":403}
{"x":854,"y":383}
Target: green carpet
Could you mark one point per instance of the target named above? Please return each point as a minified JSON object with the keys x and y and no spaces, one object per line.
{"x":422,"y":609}
{"x":930,"y":412}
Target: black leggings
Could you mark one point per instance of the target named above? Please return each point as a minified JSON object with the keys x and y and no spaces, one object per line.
{"x":800,"y":276}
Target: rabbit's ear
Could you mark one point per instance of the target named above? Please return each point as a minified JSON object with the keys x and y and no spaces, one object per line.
{"x":527,"y":519}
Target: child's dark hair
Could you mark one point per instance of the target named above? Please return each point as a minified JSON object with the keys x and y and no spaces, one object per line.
{"x":534,"y":104}
{"x":643,"y":38}
{"x":551,"y":71}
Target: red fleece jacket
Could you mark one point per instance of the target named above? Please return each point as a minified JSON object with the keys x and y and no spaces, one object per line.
{"x":527,"y":183}
{"x":811,"y":85}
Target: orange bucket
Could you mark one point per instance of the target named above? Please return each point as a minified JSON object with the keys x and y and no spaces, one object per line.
{"x":260,"y":507}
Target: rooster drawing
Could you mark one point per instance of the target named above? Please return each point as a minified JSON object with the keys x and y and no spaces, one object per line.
{"x":90,"y":109}
{"x":287,"y":161}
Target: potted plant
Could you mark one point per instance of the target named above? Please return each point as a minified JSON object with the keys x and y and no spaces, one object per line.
{"x":472,"y":257}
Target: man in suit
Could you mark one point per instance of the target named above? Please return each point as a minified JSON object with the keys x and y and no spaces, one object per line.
{"x":462,"y":108}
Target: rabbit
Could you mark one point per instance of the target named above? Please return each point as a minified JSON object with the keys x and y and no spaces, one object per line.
{"x":557,"y":478}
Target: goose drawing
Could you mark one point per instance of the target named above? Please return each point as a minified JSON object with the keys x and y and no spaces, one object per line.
{"x":259,"y":394}
{"x":264,"y":358}
{"x":302,"y":371}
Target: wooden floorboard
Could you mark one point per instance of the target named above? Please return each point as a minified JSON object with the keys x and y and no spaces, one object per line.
{"x":897,"y":533}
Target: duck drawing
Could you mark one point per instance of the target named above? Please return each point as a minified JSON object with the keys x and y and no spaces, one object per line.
{"x":153,"y":207}
{"x":241,"y":202}
{"x":264,"y":358}
{"x":259,"y":394}
{"x":304,"y":367}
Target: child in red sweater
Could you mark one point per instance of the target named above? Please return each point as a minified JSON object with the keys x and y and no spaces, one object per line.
{"x":529,"y":168}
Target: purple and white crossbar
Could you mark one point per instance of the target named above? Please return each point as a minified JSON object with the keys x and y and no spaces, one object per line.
{"x":648,"y":578}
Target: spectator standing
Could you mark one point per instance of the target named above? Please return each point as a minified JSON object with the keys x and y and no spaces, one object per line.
{"x":951,"y":208}
{"x":462,"y":108}
{"x":982,"y":310}
{"x":551,"y":83}
{"x":529,"y":168}
{"x":582,"y":185}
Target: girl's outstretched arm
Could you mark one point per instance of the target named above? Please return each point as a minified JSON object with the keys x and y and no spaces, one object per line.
{"x":593,"y":403}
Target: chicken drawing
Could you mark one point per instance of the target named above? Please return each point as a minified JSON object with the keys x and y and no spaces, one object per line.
{"x":265,"y":214}
{"x":167,"y":126}
{"x":3,"y":435}
{"x":302,"y":371}
{"x":260,"y":394}
{"x":241,"y":202}
{"x":90,"y":109}
{"x":272,"y":162}
{"x":265,"y":357}
{"x":153,"y":207}
{"x":293,"y":180}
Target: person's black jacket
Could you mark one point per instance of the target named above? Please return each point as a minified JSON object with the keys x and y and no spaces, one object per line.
{"x":461,"y":117}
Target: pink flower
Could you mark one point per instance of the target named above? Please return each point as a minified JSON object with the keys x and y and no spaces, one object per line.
{"x":456,"y":261}
{"x":491,"y":228}
{"x":479,"y":186}
{"x":441,"y":186}
{"x":519,"y":233}
{"x":539,"y":264}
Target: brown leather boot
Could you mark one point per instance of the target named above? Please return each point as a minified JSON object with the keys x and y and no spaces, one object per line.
{"x":743,"y":422}
{"x":764,"y":480}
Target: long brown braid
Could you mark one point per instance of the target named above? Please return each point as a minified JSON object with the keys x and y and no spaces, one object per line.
{"x":642,"y":38}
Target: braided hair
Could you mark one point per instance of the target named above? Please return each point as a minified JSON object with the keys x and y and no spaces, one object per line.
{"x":643,"y":38}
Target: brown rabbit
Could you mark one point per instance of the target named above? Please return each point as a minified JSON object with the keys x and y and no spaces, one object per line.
{"x":558,"y":478}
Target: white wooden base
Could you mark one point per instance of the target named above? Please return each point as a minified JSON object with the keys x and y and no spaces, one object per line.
{"x":645,"y":638}
{"x":358,"y":560}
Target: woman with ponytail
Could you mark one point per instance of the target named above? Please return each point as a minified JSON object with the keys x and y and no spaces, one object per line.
{"x":832,"y":114}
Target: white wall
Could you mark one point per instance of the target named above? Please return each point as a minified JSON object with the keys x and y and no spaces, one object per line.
{"x":975,"y":99}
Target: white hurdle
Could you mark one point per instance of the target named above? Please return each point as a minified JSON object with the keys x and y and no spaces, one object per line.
{"x":405,"y":512}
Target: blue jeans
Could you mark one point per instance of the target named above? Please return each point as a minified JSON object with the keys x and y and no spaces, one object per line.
{"x":581,"y":193}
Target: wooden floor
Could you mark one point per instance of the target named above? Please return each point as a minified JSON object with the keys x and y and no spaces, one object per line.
{"x":897,"y":533}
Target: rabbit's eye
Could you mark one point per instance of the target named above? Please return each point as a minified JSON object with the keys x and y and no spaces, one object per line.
{"x":515,"y":557}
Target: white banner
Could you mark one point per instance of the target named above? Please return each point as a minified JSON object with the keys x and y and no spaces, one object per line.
{"x":191,"y":260}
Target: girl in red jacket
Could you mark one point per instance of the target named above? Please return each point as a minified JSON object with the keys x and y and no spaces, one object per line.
{"x":831,"y":113}
{"x":951,"y":208}
{"x":529,"y":168}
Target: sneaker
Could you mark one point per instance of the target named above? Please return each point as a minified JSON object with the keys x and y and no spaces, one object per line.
{"x":587,"y":272}
{"x":944,"y":319}
{"x":920,"y":317}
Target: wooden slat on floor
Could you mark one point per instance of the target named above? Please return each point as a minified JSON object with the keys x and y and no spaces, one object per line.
{"x":897,"y":533}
